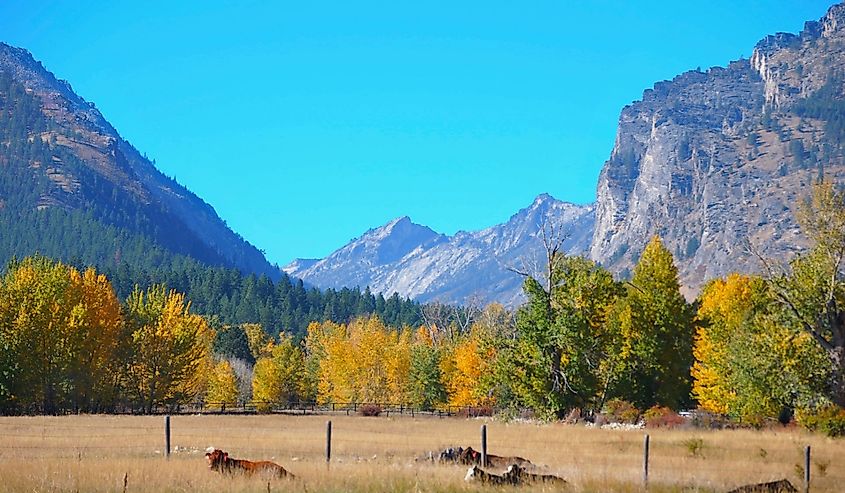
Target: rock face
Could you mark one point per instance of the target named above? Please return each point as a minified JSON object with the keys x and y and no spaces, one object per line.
{"x":469,"y":267}
{"x":105,"y":167}
{"x":714,"y":161}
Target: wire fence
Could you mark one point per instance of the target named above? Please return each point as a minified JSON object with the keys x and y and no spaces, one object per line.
{"x":304,"y":407}
{"x":145,"y":437}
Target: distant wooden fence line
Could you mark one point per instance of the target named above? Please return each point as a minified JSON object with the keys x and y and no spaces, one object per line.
{"x":306,"y":407}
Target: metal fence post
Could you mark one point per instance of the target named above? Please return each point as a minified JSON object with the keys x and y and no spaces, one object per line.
{"x":645,"y":461}
{"x":483,"y":445}
{"x":328,"y":442}
{"x":807,"y":469}
{"x":167,"y":436}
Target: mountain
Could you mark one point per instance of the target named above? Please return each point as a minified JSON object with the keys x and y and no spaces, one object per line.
{"x":469,"y":267}
{"x":71,"y":187}
{"x":714,"y":161}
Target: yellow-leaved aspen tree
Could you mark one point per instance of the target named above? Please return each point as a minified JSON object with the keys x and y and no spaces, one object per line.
{"x":170,"y":347}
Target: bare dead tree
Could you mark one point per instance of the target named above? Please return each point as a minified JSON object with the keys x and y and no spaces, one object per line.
{"x":552,"y":237}
{"x":243,"y":377}
{"x":445,"y":321}
{"x":464,"y":316}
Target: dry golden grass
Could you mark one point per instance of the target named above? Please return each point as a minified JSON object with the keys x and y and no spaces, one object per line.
{"x":93,"y":453}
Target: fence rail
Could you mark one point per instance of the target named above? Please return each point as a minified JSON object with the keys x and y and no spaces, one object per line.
{"x":305,"y":407}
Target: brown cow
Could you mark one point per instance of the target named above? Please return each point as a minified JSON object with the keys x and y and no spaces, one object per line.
{"x":518,"y":475}
{"x":219,"y":460}
{"x":468,"y":456}
{"x":782,"y":486}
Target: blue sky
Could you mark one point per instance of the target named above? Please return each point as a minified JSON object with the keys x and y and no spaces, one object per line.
{"x":306,"y":123}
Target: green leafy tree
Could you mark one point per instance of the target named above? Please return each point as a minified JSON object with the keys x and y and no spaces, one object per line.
{"x":562,"y":338}
{"x":812,"y":292}
{"x":425,"y":384}
{"x":655,"y":326}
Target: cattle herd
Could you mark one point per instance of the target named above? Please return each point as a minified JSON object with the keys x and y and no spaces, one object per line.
{"x":517,"y":468}
{"x":518,"y":471}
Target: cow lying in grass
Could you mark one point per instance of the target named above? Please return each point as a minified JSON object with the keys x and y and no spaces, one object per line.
{"x":782,"y":486}
{"x":518,"y":475}
{"x":220,"y":461}
{"x":468,"y":456}
{"x":515,"y":475}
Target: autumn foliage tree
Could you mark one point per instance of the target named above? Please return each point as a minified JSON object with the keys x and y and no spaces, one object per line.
{"x":364,"y":361}
{"x":726,"y":306}
{"x":280,"y":375}
{"x":222,"y":387}
{"x":59,"y":336}
{"x":462,"y":369}
{"x":170,"y":347}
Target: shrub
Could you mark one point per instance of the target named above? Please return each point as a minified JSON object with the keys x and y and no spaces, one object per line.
{"x":369,"y":410}
{"x":621,"y":411}
{"x":662,"y":417}
{"x":694,"y":446}
{"x":829,"y":420}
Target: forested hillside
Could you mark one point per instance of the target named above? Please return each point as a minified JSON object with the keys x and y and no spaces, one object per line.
{"x":67,"y":195}
{"x":71,"y":187}
{"x":285,"y":305}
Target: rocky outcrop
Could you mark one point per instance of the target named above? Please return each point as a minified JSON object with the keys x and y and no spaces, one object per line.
{"x":718,"y":160}
{"x":469,"y":267}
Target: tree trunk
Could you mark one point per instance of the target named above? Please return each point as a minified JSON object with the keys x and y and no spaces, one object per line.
{"x":555,"y":355}
{"x":152,"y":397}
{"x":837,"y":378}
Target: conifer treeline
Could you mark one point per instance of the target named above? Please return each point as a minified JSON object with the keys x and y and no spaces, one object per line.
{"x":135,"y":243}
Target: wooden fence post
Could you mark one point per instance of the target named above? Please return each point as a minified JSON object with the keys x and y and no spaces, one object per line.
{"x":807,"y":469}
{"x":167,"y":436}
{"x":483,"y":445}
{"x":328,"y":442}
{"x":645,"y":461}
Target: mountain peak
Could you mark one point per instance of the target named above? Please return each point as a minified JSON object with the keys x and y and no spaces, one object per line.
{"x":402,"y":221}
{"x":543,"y":198}
{"x":400,"y":226}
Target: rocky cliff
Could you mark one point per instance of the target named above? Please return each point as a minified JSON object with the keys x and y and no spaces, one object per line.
{"x":718,"y":160}
{"x":469,"y":267}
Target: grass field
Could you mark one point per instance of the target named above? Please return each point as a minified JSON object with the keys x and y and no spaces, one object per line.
{"x":94,"y":453}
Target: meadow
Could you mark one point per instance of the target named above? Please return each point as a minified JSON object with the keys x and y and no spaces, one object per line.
{"x":94,"y":453}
